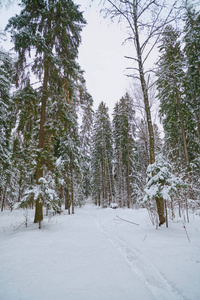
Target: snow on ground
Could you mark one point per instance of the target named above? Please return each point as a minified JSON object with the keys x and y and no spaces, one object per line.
{"x":93,"y":255}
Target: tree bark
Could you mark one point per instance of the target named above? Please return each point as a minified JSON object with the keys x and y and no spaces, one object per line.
{"x":159,"y":201}
{"x":160,"y":208}
{"x":128,"y":174}
{"x":72,"y":186}
{"x":3,"y":200}
{"x":197,"y":113}
{"x":67,"y":199}
{"x":40,"y":158}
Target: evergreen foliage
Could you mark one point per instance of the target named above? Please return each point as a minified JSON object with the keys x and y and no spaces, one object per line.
{"x":192,"y":52}
{"x":46,"y":36}
{"x":86,"y":140}
{"x":170,"y":92}
{"x":161,"y":183}
{"x":6,"y":110}
{"x":102,"y":157}
{"x":123,"y":133}
{"x":177,"y":107}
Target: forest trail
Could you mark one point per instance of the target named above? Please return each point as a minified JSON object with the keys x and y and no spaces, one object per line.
{"x":139,"y":264}
{"x":94,"y":255}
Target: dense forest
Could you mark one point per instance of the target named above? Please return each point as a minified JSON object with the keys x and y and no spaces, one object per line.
{"x":56,"y":151}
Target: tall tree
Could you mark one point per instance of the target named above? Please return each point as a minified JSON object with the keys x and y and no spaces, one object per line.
{"x":102,"y":155}
{"x":49,"y":32}
{"x":86,"y":140}
{"x":145,"y":26}
{"x":69,"y":154}
{"x":6,"y":78}
{"x":123,"y":133}
{"x":173,"y":107}
{"x":192,"y":52}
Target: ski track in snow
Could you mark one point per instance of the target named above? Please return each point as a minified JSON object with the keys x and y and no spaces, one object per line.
{"x":140,"y":265}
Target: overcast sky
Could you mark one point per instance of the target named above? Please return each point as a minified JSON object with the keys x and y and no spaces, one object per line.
{"x":101,"y":55}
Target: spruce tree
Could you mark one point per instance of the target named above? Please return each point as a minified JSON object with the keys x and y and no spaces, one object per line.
{"x":86,"y":140}
{"x":192,"y":52}
{"x":173,"y":107}
{"x":192,"y":92}
{"x":161,"y":182}
{"x":69,"y":163}
{"x":102,"y":156}
{"x":6,"y":78}
{"x":49,"y":32}
{"x":123,"y":133}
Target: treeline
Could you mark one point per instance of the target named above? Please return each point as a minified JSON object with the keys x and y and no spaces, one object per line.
{"x":48,"y":159}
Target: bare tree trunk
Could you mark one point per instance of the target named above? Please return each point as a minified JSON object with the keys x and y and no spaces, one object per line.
{"x":128,"y":179}
{"x":110,"y":181}
{"x":144,"y":89}
{"x":137,"y":15}
{"x":120,"y":173}
{"x":67,"y":199}
{"x":186,"y":208}
{"x":71,"y":184}
{"x":172,"y":209}
{"x":166,"y":216}
{"x":160,"y":209}
{"x":197,"y":113}
{"x":3,"y":200}
{"x":159,"y":201}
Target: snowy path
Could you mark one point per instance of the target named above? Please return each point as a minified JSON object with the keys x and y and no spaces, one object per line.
{"x":142,"y":267}
{"x":92,"y":256}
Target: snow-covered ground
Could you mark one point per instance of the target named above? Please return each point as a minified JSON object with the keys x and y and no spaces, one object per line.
{"x":93,"y":255}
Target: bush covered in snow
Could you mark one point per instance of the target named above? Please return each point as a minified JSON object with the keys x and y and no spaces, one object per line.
{"x":161,"y":183}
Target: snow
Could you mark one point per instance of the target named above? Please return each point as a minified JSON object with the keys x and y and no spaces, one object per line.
{"x":96,"y":255}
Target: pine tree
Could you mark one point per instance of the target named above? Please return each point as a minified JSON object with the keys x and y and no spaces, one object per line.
{"x":24,"y":139}
{"x":86,"y":140}
{"x":48,"y":31}
{"x":162,"y":183}
{"x":123,"y":132}
{"x":192,"y":52}
{"x":69,"y":155}
{"x":102,"y":156}
{"x":6,"y":75}
{"x":141,"y":161}
{"x":170,"y":93}
{"x":192,"y":94}
{"x":178,"y":119}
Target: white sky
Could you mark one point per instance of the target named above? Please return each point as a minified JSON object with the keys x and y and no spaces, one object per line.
{"x":101,"y":55}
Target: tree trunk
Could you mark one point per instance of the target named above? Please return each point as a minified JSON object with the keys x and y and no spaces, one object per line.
{"x":159,"y":201}
{"x":160,"y":208}
{"x":67,"y":199}
{"x":3,"y":200}
{"x":197,"y":113}
{"x":72,"y":184}
{"x":166,"y":217}
{"x":128,"y":174}
{"x":38,"y":212}
{"x":40,"y":158}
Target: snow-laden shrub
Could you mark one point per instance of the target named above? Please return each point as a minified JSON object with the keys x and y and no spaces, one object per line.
{"x":161,"y":183}
{"x":45,"y":192}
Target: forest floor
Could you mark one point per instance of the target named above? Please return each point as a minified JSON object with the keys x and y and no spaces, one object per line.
{"x":95,"y":255}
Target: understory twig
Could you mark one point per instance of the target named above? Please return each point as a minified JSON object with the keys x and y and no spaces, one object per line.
{"x":186,"y":233}
{"x":127,"y":221}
